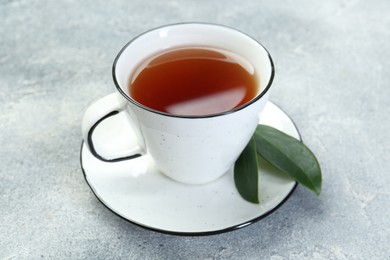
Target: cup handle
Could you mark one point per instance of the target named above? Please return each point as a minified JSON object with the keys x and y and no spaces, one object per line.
{"x":104,"y":108}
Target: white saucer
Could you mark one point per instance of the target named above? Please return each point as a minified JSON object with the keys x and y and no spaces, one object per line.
{"x":138,"y":192}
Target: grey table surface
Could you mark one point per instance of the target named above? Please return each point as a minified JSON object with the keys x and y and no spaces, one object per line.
{"x":332,"y":77}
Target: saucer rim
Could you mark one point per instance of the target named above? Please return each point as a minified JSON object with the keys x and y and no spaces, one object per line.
{"x":200,"y":233}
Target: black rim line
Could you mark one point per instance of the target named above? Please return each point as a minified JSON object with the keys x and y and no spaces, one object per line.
{"x":205,"y":233}
{"x":262,"y":93}
{"x":92,"y":146}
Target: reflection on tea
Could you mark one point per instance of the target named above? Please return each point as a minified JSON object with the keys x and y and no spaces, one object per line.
{"x":194,"y":81}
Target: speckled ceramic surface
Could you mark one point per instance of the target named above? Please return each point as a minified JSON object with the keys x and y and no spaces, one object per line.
{"x":184,"y":143}
{"x":137,"y":191}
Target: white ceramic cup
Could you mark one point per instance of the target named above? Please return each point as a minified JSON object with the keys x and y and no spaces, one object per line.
{"x":188,"y":149}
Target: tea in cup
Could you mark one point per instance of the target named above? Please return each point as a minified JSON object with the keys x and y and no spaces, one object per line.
{"x":193,"y":94}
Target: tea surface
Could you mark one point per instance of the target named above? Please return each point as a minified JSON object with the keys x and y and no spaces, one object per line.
{"x":194,"y":81}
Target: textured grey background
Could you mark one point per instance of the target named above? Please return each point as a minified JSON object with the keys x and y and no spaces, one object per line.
{"x":333,"y":76}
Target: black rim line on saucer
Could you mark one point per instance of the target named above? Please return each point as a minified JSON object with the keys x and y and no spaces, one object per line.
{"x":201,"y":233}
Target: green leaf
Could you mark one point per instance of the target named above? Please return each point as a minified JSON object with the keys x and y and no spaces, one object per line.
{"x":290,"y":156}
{"x":246,"y":173}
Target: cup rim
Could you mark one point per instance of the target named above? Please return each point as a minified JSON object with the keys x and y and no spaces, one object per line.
{"x":133,"y":101}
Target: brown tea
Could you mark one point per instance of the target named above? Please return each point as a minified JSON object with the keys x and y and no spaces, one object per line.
{"x":194,"y":81}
